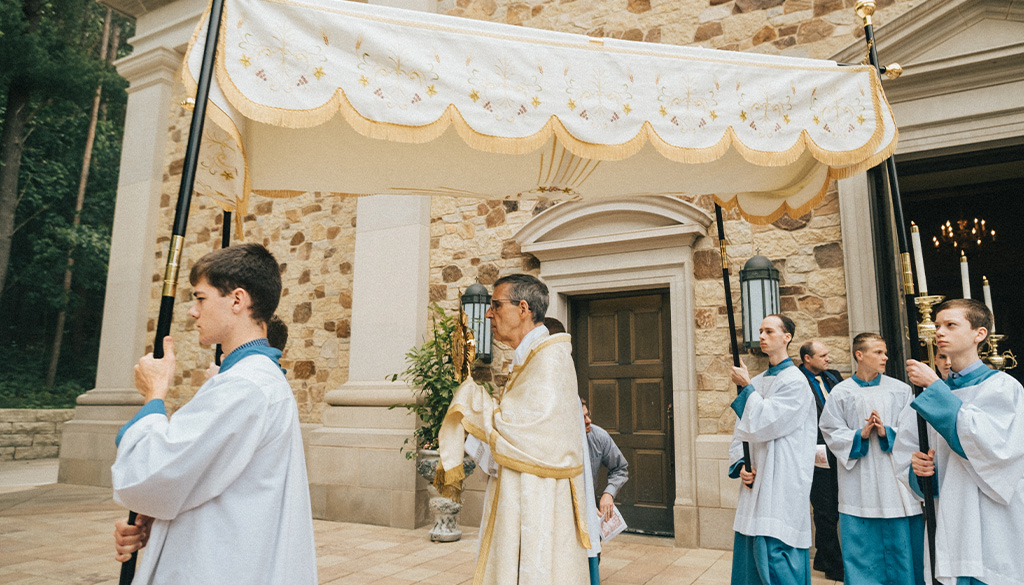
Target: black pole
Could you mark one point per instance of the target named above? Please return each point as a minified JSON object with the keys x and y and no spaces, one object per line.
{"x":225,"y":241}
{"x":188,"y":175}
{"x":909,"y":318}
{"x":732,"y":317}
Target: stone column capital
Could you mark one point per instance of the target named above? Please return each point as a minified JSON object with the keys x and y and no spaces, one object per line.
{"x":159,"y":65}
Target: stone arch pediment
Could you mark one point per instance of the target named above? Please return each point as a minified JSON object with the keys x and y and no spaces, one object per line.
{"x":578,"y":228}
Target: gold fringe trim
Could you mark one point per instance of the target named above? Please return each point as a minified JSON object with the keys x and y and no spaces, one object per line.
{"x":582,"y":534}
{"x":488,"y":535}
{"x":449,"y":482}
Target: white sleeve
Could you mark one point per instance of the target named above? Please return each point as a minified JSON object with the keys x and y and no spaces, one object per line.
{"x":991,"y":431}
{"x":767,"y":419}
{"x":837,"y":433}
{"x":165,"y":467}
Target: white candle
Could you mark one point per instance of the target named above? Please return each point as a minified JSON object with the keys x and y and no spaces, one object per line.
{"x":988,"y":300}
{"x":964,"y":277}
{"x":915,"y":237}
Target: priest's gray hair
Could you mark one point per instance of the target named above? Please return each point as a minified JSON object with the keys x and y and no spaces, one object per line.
{"x":524,"y":287}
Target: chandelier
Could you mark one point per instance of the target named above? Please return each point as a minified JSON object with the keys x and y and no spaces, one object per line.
{"x":964,"y":234}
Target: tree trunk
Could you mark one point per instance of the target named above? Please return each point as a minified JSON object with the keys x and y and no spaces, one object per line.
{"x":12,"y":142}
{"x":83,"y":180}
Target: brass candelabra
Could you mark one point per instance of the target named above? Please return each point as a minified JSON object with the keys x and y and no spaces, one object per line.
{"x":925,"y":325}
{"x":991,"y":356}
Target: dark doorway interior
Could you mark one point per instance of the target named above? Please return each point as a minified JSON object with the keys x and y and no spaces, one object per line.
{"x":987,"y":185}
{"x":622,"y":350}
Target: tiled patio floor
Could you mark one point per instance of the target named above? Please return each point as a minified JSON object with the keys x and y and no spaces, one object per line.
{"x":54,"y":534}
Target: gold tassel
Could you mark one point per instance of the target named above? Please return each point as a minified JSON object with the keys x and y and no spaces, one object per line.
{"x":449,"y":483}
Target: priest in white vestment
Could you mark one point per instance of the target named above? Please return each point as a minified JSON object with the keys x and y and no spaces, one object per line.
{"x":534,"y":528}
{"x":879,"y":518}
{"x":778,"y":419}
{"x":220,"y":487}
{"x":976,"y":435}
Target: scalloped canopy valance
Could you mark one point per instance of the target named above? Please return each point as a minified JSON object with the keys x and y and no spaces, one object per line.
{"x":325,"y":95}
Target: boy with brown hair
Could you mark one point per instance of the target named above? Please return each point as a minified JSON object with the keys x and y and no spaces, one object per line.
{"x":879,"y":519}
{"x":977,"y":431}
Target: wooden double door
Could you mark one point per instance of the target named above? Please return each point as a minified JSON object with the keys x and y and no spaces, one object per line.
{"x":622,"y":351}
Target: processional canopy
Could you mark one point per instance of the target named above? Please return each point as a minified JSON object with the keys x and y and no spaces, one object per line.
{"x":330,"y":96}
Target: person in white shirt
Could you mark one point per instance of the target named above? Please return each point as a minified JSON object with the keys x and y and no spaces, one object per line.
{"x":976,"y":418}
{"x":221,"y":487}
{"x":879,"y":519}
{"x":778,"y":419}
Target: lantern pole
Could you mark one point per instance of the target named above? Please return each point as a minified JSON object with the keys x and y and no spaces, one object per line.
{"x":176,"y":245}
{"x":729,"y":312}
{"x":865,"y":9}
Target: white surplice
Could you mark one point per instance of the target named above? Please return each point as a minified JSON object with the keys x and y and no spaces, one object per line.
{"x":225,"y":479}
{"x":980,"y":503}
{"x":868,"y":487}
{"x":780,"y":423}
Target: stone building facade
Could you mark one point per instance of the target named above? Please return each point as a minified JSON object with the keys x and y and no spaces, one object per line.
{"x":341,"y":320}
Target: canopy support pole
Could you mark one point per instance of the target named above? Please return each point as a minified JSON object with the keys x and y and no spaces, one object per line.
{"x":864,"y":9}
{"x":188,"y":175}
{"x":732,"y":317}
{"x":225,"y":241}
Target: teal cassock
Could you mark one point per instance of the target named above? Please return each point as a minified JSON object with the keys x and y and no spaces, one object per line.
{"x":875,"y":549}
{"x":763,"y":560}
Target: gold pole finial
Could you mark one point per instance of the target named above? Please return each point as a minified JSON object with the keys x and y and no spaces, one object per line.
{"x":893,"y":70}
{"x":864,"y":9}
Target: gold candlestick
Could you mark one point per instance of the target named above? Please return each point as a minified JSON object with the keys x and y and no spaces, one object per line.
{"x":925,"y":325}
{"x":992,"y":357}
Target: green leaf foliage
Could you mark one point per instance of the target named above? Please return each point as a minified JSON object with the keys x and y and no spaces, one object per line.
{"x":52,"y":48}
{"x":432,"y":377}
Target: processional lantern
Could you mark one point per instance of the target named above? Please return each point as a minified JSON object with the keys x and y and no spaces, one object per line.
{"x":475,"y":302}
{"x":759,"y":297}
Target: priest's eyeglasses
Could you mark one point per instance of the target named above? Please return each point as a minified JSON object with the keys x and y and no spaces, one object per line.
{"x":496,"y":303}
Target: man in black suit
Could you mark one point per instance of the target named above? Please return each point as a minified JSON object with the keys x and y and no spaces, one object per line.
{"x":825,"y":487}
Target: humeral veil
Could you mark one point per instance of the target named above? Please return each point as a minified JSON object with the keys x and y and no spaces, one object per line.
{"x":534,"y":530}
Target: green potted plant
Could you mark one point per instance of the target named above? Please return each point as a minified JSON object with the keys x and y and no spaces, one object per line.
{"x":432,"y":375}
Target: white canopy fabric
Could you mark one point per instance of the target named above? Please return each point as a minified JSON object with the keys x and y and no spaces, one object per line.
{"x":335,"y":96}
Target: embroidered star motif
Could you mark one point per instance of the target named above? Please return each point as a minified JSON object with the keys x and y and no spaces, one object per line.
{"x":364,"y":81}
{"x":536,"y":102}
{"x":474,"y":96}
{"x":627,"y":109}
{"x":816,"y":120}
{"x":572,"y":105}
{"x":318,"y":72}
{"x":860,"y":119}
{"x":662,"y":111}
{"x":245,"y":61}
{"x":228,"y":175}
{"x":431,"y":91}
{"x":713,"y":115}
{"x":743,"y":116}
{"x":785,"y":118}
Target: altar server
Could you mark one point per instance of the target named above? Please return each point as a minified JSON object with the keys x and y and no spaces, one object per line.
{"x":879,"y":519}
{"x":220,"y":487}
{"x":976,"y":417}
{"x":778,"y":419}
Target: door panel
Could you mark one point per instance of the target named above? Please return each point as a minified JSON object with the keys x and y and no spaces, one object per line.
{"x":621,"y":346}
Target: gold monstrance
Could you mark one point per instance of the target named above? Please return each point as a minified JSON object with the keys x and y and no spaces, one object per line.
{"x":463,"y":347}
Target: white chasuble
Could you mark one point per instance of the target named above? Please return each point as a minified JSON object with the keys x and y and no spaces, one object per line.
{"x":225,"y":480}
{"x":534,"y":529}
{"x":868,"y":487}
{"x":779,"y":422}
{"x":980,"y":503}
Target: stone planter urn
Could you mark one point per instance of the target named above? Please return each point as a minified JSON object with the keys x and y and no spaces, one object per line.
{"x":445,"y":511}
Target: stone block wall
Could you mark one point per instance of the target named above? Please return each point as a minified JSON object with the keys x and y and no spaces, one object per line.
{"x":804,"y":28}
{"x":31,"y":433}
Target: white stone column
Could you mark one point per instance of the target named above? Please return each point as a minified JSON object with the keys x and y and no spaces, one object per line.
{"x":357,"y":471}
{"x":87,"y":448}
